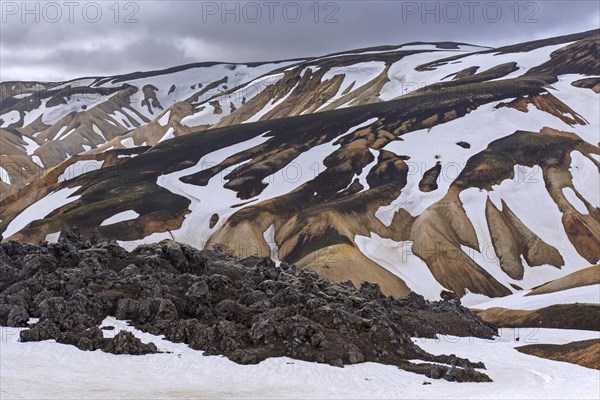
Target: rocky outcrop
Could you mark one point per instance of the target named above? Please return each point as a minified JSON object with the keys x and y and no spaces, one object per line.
{"x":247,"y":310}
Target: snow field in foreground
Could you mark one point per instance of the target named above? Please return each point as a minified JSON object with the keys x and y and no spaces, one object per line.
{"x":55,"y":371}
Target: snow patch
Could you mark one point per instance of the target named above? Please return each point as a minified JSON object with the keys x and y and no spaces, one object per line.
{"x":52,"y":237}
{"x":79,"y":168}
{"x":584,"y":102}
{"x":66,"y":135}
{"x":10,"y":118}
{"x":404,"y":78}
{"x":426,"y":147}
{"x":585,"y":294}
{"x":269,"y":107}
{"x":269,"y":236}
{"x":40,"y":209}
{"x":164,"y":120}
{"x":398,"y":258}
{"x":99,"y":132}
{"x":168,"y":135}
{"x":30,"y":145}
{"x":545,"y":219}
{"x":121,"y":119}
{"x":356,"y":75}
{"x":60,"y":132}
{"x":120,"y":217}
{"x":133,"y":115}
{"x":574,"y":200}
{"x":586,"y":178}
{"x":362,"y":178}
{"x":176,"y":372}
{"x":128,"y":142}
{"x":4,"y":176}
{"x":38,"y":161}
{"x":214,"y":198}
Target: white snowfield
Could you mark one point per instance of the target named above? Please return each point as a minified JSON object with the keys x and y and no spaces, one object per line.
{"x":206,"y":112}
{"x":589,"y":294}
{"x":428,"y":147}
{"x":128,"y":143}
{"x":30,"y":145}
{"x":53,"y":237}
{"x":583,"y":101}
{"x":41,"y":209}
{"x":438,"y":144}
{"x":398,"y":258}
{"x":214,"y":198}
{"x":120,"y":217}
{"x":402,"y":75}
{"x":575,"y":201}
{"x":270,"y":106}
{"x":170,"y":88}
{"x":164,"y":120}
{"x":205,"y":200}
{"x":586,"y":178}
{"x":545,"y":220}
{"x":355,"y":76}
{"x":169,"y":134}
{"x":404,"y":78}
{"x":4,"y":176}
{"x":9,"y":118}
{"x":55,"y":371}
{"x":191,"y":81}
{"x":79,"y":168}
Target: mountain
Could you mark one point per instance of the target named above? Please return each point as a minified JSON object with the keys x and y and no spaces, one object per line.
{"x":44,"y":124}
{"x":446,"y":169}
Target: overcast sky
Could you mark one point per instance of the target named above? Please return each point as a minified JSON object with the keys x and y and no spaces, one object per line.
{"x":75,"y":39}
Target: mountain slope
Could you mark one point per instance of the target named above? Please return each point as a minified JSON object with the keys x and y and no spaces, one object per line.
{"x":458,"y":172}
{"x":59,"y":120}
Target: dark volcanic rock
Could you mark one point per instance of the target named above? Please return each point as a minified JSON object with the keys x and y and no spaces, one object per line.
{"x":17,"y":316}
{"x":247,"y":310}
{"x":126,"y":343}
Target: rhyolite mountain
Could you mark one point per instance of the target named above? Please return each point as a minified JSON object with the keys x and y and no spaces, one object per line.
{"x":446,"y":169}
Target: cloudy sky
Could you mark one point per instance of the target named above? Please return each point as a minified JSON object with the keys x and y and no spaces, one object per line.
{"x":64,"y":40}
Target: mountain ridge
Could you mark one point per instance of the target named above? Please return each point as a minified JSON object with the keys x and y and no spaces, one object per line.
{"x":388,"y":171}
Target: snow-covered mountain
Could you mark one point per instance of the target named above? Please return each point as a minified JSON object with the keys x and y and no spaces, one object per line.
{"x":450,"y":170}
{"x":44,"y":124}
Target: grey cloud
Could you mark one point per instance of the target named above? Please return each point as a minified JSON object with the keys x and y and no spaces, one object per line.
{"x":179,"y":32}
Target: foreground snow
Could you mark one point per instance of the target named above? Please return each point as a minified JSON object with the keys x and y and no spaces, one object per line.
{"x":50,"y":370}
